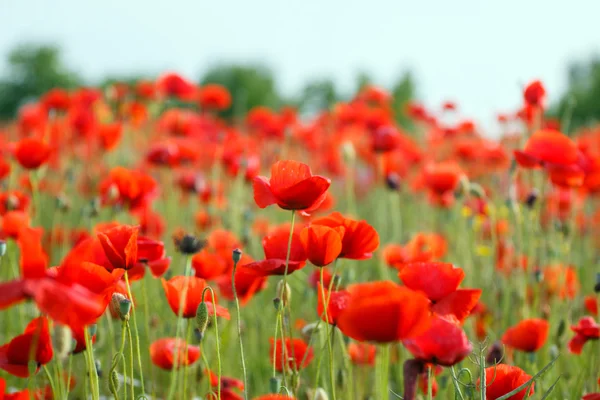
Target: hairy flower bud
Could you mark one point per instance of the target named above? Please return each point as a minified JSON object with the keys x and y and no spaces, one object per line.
{"x":62,"y":341}
{"x":285,"y":292}
{"x":202,"y":319}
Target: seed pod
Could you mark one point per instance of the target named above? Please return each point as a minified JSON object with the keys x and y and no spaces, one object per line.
{"x":236,"y":255}
{"x":392,"y":181}
{"x":285,"y":292}
{"x":202,"y":319}
{"x":274,"y":384}
{"x":62,"y":341}
{"x":120,"y":305}
{"x":531,"y":198}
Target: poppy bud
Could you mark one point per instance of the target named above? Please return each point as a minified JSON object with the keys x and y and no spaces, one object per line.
{"x":341,"y":378}
{"x":283,"y":289}
{"x":309,"y":329}
{"x":597,"y":285}
{"x":476,"y":190}
{"x":202,"y":318}
{"x":62,"y":341}
{"x":348,"y":151}
{"x":495,"y":354}
{"x":98,"y":368}
{"x":412,"y":368}
{"x":392,"y":181}
{"x":12,"y":202}
{"x":554,"y":352}
{"x":62,"y":203}
{"x":2,"y":248}
{"x":274,"y":384}
{"x":317,"y":394}
{"x":531,"y":198}
{"x":120,"y":305}
{"x":237,"y":255}
{"x":538,"y":275}
{"x":92,"y":329}
{"x":114,"y":383}
{"x":463,"y":187}
{"x":337,"y":280}
{"x":277,"y":303}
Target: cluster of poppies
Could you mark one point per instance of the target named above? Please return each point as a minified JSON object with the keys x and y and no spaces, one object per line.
{"x":413,"y":249}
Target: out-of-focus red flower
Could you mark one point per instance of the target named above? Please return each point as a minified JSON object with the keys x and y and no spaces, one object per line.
{"x":384,"y":312}
{"x":359,"y":239}
{"x":209,"y":265}
{"x":444,"y":343}
{"x":13,"y":200}
{"x":174,"y":85}
{"x":561,"y":281}
{"x":12,"y":223}
{"x":109,"y":135}
{"x":586,"y":329}
{"x":16,"y":354}
{"x":145,"y":89}
{"x":175,"y":288}
{"x":214,"y":97}
{"x":528,"y":335}
{"x":322,"y":244}
{"x":336,"y":303}
{"x":129,"y":188}
{"x":296,"y":355}
{"x":591,"y":304}
{"x":33,"y":259}
{"x":120,"y":245}
{"x":20,"y":395}
{"x":423,"y":247}
{"x":274,"y":397}
{"x":502,"y":379}
{"x":441,"y":180}
{"x":31,"y":152}
{"x":534,"y":94}
{"x":56,"y":99}
{"x":248,"y":282}
{"x":170,"y":353}
{"x":440,"y":281}
{"x":275,"y":247}
{"x":362,"y":353}
{"x":292,"y":186}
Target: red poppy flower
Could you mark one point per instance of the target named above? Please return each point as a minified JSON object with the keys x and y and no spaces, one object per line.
{"x":33,"y":260}
{"x":12,"y":223}
{"x":534,"y":94}
{"x":292,"y":186}
{"x":13,"y":200}
{"x":502,"y":379}
{"x":21,"y":395}
{"x":322,"y":244}
{"x":336,"y":303}
{"x":165,"y":351}
{"x":586,"y":329}
{"x":214,"y":97}
{"x":16,"y":354}
{"x":362,"y":353}
{"x":129,"y":188}
{"x":32,"y":152}
{"x":444,"y":343}
{"x":109,"y":135}
{"x":561,"y":281}
{"x":441,"y":180}
{"x":120,"y":245}
{"x":275,"y":247}
{"x":274,"y":397}
{"x":226,"y":381}
{"x":208,"y":265}
{"x":174,"y":290}
{"x":56,"y":99}
{"x":528,"y":335}
{"x":591,"y":396}
{"x":591,"y":304}
{"x":298,"y":354}
{"x":384,"y":312}
{"x":172,"y":84}
{"x":359,"y":239}
{"x":248,"y":282}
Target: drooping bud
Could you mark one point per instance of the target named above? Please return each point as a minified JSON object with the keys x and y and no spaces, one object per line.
{"x":114,"y":384}
{"x":236,"y":256}
{"x":561,"y":329}
{"x":120,"y":305}
{"x":202,"y":318}
{"x":285,"y":292}
{"x":62,"y":341}
{"x":98,"y":368}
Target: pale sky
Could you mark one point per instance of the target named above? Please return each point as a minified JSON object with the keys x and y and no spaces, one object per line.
{"x":477,"y":52}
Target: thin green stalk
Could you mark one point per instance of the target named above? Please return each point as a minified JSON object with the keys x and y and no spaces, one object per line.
{"x":131,"y":361}
{"x":429,"y":383}
{"x":205,"y":361}
{"x":188,"y":337}
{"x":212,"y":293}
{"x":239,"y":328}
{"x":55,"y":391}
{"x":94,"y":386}
{"x":137,"y":335}
{"x":329,"y":346}
{"x":384,"y":366}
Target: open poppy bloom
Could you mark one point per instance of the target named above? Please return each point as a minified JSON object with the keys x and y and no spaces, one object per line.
{"x":32,"y":152}
{"x":534,"y":94}
{"x":120,"y":245}
{"x":440,"y":281}
{"x":359,"y":239}
{"x":15,"y":355}
{"x":129,"y":188}
{"x":292,"y":186}
{"x":174,"y":290}
{"x":170,"y":353}
{"x":33,"y":260}
{"x":275,"y":247}
{"x":171,"y":84}
{"x":591,"y":304}
{"x":384,"y":312}
{"x":12,"y":222}
{"x":209,"y":265}
{"x":586,"y":329}
{"x":322,"y":244}
{"x":248,"y":282}
{"x":528,"y":335}
{"x":336,"y":302}
{"x":214,"y":97}
{"x":444,"y":343}
{"x":422,"y":247}
{"x":441,"y":180}
{"x":502,"y":379}
{"x":297,"y":354}
{"x":362,"y":353}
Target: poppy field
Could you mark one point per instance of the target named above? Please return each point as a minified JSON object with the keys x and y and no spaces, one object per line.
{"x":153,"y":249}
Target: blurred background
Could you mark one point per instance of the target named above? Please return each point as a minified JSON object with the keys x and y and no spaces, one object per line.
{"x":312,"y":53}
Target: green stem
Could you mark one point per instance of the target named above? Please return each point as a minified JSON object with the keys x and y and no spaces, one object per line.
{"x":131,"y":361}
{"x":239,"y":328}
{"x":94,"y":386}
{"x":137,"y":335}
{"x":188,"y":337}
{"x":55,"y":392}
{"x":329,"y":346}
{"x":385,"y":364}
{"x":212,"y":293}
{"x":429,"y":383}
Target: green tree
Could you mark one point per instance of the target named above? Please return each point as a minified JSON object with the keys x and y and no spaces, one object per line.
{"x":403,"y":91}
{"x":318,"y":95}
{"x":32,"y":71}
{"x":250,"y":86}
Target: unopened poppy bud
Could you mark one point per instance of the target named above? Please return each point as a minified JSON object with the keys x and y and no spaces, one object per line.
{"x":202,"y":318}
{"x":317,"y":394}
{"x":561,"y":329}
{"x":98,"y":368}
{"x":597,"y":285}
{"x":236,"y":255}
{"x":285,"y":292}
{"x":337,"y":280}
{"x":62,"y":203}
{"x":277,"y":303}
{"x":531,"y":198}
{"x":341,"y":378}
{"x":463,"y":187}
{"x":92,"y":329}
{"x":309,"y":329}
{"x":120,"y":305}
{"x":538,"y":275}
{"x":392,"y":181}
{"x":554,"y":352}
{"x":62,"y":341}
{"x":114,"y":383}
{"x":2,"y":248}
{"x":274,"y":384}
{"x":348,"y":151}
{"x":12,"y":202}
{"x":476,"y":190}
